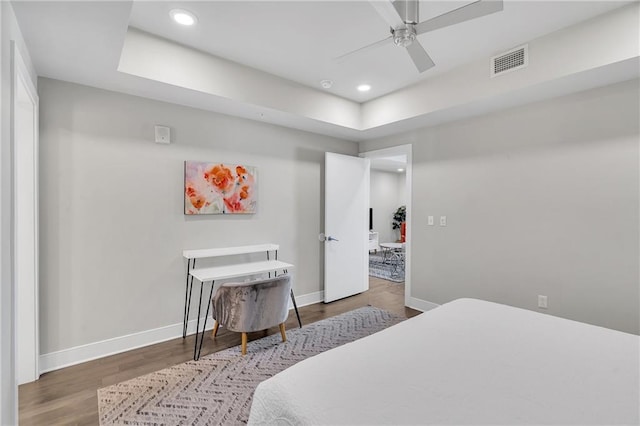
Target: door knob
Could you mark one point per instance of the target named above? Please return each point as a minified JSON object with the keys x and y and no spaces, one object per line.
{"x":322,"y":237}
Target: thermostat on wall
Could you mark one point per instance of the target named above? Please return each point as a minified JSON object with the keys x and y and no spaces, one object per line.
{"x":163,"y":134}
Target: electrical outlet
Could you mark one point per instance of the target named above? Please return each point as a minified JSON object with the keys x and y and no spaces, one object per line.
{"x":443,"y":221}
{"x":430,"y":220}
{"x":542,"y":301}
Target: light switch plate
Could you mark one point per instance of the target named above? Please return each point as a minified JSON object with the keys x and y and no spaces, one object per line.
{"x":430,"y":220}
{"x":443,"y":221}
{"x":542,"y":301}
{"x":163,"y":134}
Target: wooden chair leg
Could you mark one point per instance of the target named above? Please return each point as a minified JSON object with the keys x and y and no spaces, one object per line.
{"x":283,"y":333}
{"x":244,"y":343}
{"x":216,"y":324}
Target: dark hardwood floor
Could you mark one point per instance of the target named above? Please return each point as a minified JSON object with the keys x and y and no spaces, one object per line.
{"x":69,"y":396}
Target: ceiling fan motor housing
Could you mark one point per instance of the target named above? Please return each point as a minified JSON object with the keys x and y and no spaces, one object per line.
{"x":408,"y":10}
{"x":403,"y":37}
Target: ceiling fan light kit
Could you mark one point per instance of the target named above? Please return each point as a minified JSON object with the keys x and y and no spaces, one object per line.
{"x":403,"y":37}
{"x":403,"y":16}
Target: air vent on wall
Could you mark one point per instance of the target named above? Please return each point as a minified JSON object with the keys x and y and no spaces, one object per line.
{"x":512,"y":60}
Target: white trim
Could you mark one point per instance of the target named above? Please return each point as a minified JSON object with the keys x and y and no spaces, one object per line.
{"x":308,"y":299}
{"x":79,"y":354}
{"x":25,"y":224}
{"x":83,"y":353}
{"x":399,"y":150}
{"x":420,"y":305}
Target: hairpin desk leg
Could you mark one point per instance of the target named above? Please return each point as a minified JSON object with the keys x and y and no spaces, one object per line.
{"x":195,"y":348}
{"x":295,"y":307}
{"x":204,"y":327}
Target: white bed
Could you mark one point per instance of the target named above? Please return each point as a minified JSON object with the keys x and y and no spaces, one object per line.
{"x":465,"y":362}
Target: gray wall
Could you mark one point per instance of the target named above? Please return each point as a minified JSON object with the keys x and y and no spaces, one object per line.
{"x":112,"y":223}
{"x":387,"y":193}
{"x":540,"y":200}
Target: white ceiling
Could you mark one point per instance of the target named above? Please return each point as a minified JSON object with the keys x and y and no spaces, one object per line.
{"x":82,"y":42}
{"x":299,"y":40}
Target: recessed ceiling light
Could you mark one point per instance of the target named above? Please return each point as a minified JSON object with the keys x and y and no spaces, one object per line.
{"x":326,"y":84}
{"x":183,"y":17}
{"x":364,"y":88}
{"x":401,"y":170}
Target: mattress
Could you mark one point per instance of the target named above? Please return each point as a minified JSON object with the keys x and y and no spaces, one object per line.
{"x":465,"y":362}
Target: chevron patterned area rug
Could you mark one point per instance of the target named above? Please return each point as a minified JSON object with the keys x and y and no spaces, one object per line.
{"x":218,"y":389}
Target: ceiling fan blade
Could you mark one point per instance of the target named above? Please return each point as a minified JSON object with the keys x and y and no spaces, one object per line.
{"x":364,"y":49}
{"x":465,"y":13}
{"x":420,"y":57}
{"x":388,"y":12}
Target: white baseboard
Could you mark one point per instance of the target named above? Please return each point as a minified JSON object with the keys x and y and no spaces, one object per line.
{"x":79,"y":354}
{"x":419,"y":304}
{"x":308,"y":299}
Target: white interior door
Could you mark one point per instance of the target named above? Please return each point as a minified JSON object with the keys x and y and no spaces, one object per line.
{"x":25,"y":142}
{"x":346,"y":214}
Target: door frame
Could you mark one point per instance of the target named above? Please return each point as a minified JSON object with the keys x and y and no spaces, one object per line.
{"x":387,"y":152}
{"x":25,"y":161}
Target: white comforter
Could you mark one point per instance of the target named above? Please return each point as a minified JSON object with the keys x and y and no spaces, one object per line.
{"x":465,"y":362}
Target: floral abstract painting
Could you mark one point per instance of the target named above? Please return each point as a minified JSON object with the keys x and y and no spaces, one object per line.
{"x":215,"y":188}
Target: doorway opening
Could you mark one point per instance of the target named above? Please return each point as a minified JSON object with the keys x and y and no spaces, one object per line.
{"x":390,"y":216}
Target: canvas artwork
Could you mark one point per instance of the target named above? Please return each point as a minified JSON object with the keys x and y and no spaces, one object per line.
{"x":215,"y":188}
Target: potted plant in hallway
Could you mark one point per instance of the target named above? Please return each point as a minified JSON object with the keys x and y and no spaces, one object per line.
{"x":399,"y":221}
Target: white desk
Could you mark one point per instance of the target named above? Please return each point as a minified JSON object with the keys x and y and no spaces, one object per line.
{"x":229,"y":251}
{"x":239,"y":270}
{"x":214,"y":273}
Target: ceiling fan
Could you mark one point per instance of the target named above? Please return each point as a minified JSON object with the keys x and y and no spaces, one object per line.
{"x":403,"y":18}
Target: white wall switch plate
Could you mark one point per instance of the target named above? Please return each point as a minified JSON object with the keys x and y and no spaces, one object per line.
{"x":163,"y":134}
{"x":430,"y":220}
{"x":443,"y":221}
{"x":542,"y":301}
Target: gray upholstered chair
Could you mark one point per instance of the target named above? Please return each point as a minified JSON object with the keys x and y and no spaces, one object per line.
{"x":252,"y":306}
